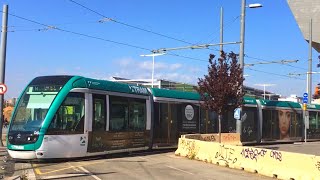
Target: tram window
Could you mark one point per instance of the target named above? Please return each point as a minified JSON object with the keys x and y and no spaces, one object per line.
{"x":119,"y":113}
{"x":99,"y":112}
{"x":314,"y":120}
{"x":69,"y":118}
{"x":137,"y":114}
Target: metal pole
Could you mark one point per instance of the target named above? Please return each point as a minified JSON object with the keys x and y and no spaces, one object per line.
{"x":241,"y":53}
{"x":310,"y":65}
{"x":3,"y":60}
{"x":221,"y":29}
{"x":305,"y":127}
{"x":264,"y":91}
{"x":152,"y":70}
{"x":242,"y":30}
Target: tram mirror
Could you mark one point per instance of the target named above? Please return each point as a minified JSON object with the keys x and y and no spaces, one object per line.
{"x":244,"y":117}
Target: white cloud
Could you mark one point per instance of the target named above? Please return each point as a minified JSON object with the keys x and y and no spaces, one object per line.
{"x":129,"y":63}
{"x":175,"y":66}
{"x":125,"y":62}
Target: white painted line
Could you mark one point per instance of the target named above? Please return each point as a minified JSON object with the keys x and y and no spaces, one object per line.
{"x":180,"y":170}
{"x":86,"y":171}
{"x":63,"y":176}
{"x":74,"y":168}
{"x":143,"y":158}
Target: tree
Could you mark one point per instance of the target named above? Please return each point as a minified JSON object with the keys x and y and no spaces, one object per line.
{"x":221,"y":88}
{"x":7,"y":112}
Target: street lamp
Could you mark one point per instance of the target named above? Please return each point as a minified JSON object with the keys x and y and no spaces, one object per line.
{"x":242,"y":29}
{"x":153,"y":55}
{"x":264,"y":88}
{"x":241,"y":53}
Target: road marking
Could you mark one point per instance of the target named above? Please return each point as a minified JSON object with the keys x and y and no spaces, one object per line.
{"x":86,"y":171}
{"x":37,"y":170}
{"x":180,"y":170}
{"x":64,"y":176}
{"x":144,"y":158}
{"x":57,"y":170}
{"x":74,"y":168}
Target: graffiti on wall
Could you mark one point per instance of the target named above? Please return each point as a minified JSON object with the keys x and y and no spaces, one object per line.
{"x":208,"y":138}
{"x":276,"y":155}
{"x":252,"y":153}
{"x":229,"y":137}
{"x":226,"y":154}
{"x":318,"y":165}
{"x":190,"y":147}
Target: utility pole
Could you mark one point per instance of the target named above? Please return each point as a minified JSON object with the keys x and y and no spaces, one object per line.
{"x":241,"y":55}
{"x":3,"y":61}
{"x":309,"y":74}
{"x":221,"y":29}
{"x":242,"y":30}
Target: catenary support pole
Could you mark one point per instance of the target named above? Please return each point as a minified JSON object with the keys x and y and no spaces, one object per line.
{"x":3,"y":61}
{"x":241,"y":54}
{"x":221,"y":29}
{"x":309,"y":74}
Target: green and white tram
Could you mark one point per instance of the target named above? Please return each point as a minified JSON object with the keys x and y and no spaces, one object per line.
{"x":72,"y":116}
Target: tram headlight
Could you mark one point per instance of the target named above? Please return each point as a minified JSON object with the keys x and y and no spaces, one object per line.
{"x":32,"y":138}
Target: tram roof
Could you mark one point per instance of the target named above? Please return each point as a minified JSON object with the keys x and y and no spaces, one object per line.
{"x":313,"y":106}
{"x":250,"y":100}
{"x":174,"y":94}
{"x":285,"y":104}
{"x":105,"y":85}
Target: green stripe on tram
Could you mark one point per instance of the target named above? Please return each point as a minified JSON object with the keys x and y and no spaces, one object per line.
{"x":249,"y":100}
{"x":174,"y":94}
{"x":110,"y":86}
{"x":313,"y":106}
{"x":284,"y":104}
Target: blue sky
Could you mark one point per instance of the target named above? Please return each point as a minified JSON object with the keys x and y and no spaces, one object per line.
{"x":271,"y":34}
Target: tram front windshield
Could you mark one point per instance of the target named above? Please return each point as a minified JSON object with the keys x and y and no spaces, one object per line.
{"x":33,"y":107}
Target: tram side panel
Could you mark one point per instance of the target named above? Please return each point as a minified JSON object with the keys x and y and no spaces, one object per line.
{"x":128,"y":125}
{"x":281,"y":121}
{"x":313,"y":131}
{"x":173,"y":119}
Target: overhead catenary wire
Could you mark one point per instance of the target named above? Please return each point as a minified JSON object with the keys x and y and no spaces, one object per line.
{"x":260,"y":59}
{"x":129,"y":25}
{"x":77,"y":33}
{"x":135,"y":27}
{"x":156,"y":33}
{"x":99,"y":38}
{"x":275,"y":74}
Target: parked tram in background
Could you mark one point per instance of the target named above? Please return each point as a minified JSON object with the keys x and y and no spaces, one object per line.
{"x":74,"y":116}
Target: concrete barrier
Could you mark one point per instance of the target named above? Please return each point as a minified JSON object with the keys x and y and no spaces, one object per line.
{"x":268,"y":162}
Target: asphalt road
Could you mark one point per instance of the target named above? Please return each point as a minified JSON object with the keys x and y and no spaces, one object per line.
{"x":164,"y":165}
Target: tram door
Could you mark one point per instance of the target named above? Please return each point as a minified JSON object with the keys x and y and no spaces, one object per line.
{"x":172,"y":123}
{"x":208,"y":122}
{"x":165,"y":125}
{"x":96,"y":137}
